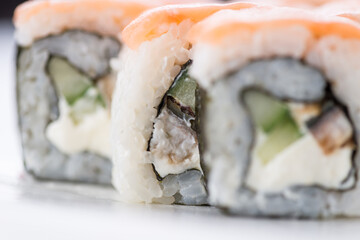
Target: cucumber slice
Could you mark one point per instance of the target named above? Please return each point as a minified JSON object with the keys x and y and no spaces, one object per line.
{"x":87,"y":104}
{"x":280,"y":138}
{"x":274,"y":118}
{"x":266,"y":111}
{"x":69,"y":81}
{"x":181,"y":95}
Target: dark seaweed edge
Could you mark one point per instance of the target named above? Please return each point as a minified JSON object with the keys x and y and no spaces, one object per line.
{"x":200,"y":106}
{"x":17,"y":103}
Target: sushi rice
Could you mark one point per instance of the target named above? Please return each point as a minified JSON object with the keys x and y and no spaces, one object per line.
{"x":155,"y":152}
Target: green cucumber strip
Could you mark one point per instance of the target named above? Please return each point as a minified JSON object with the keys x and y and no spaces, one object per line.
{"x":274,"y":118}
{"x":69,"y":81}
{"x":280,"y":138}
{"x":87,"y":104}
{"x":266,"y":111}
{"x":183,"y":92}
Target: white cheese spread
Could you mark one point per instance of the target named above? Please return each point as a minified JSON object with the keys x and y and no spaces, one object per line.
{"x":302,"y":163}
{"x":91,"y":134}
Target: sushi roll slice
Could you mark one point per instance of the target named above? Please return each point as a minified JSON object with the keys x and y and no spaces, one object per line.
{"x":279,"y":111}
{"x":65,"y":84}
{"x":155,"y":146}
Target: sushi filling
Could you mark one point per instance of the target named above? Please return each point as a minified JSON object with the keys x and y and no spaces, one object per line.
{"x":174,"y":145}
{"x":77,"y":64}
{"x":290,"y":136}
{"x":83,"y":108}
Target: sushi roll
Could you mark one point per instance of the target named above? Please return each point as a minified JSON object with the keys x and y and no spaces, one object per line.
{"x":155,"y":147}
{"x":278,"y":108}
{"x":65,"y":83}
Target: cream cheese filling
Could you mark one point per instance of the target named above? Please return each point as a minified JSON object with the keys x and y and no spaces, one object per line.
{"x":302,"y":163}
{"x":91,"y":134}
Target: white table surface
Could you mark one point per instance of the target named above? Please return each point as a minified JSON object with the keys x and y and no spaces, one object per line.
{"x":47,"y":210}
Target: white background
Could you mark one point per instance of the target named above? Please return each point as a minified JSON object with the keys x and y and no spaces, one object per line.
{"x":46,"y":210}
